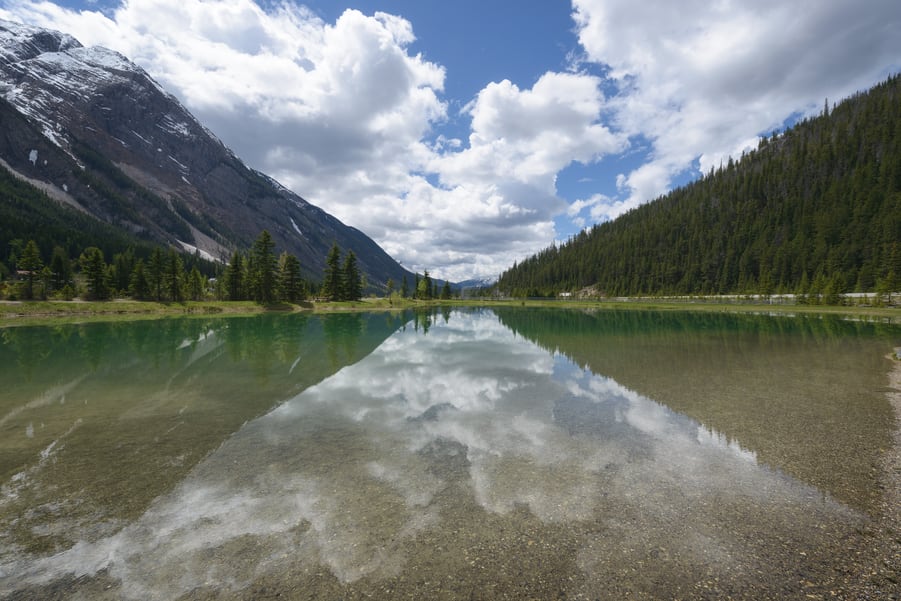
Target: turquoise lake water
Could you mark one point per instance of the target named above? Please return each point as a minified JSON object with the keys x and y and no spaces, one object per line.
{"x":458,"y":454}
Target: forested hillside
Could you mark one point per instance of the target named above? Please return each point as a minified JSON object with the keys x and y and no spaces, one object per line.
{"x":814,"y":210}
{"x":27,"y":213}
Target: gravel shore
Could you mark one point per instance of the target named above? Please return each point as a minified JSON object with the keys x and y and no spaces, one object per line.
{"x":876,"y":562}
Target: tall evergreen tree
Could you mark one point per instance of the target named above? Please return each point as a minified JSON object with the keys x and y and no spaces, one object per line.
{"x":60,"y":268}
{"x":122,"y":267}
{"x":93,"y":265}
{"x":424,"y":287}
{"x":353,"y":288}
{"x":290,"y":282}
{"x":174,"y":276}
{"x":139,"y":287}
{"x":265,"y":268}
{"x":30,"y":262}
{"x":156,"y":268}
{"x":196,"y":284}
{"x":332,"y":284}
{"x":234,"y":277}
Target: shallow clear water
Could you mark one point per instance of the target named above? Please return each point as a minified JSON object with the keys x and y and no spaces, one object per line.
{"x":469,"y":454}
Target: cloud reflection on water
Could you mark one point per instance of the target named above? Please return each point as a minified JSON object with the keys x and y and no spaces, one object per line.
{"x":352,"y":470}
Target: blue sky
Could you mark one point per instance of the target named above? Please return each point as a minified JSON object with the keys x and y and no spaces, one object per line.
{"x":463,"y":136}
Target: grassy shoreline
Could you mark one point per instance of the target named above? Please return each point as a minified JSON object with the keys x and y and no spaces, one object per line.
{"x":20,"y":313}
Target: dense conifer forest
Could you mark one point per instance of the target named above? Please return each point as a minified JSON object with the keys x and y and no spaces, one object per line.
{"x":814,"y":210}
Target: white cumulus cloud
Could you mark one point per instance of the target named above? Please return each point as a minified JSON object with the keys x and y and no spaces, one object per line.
{"x":342,"y":113}
{"x":701,"y":80}
{"x":346,"y":115}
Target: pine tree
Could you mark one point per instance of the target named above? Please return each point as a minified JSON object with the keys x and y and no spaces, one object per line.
{"x":424,"y":287}
{"x":332,"y":284}
{"x":123,"y":265}
{"x":93,"y":266}
{"x":139,"y":287}
{"x":174,"y":276}
{"x":60,"y":268}
{"x":353,"y":289}
{"x":290,"y":283}
{"x":234,"y":277}
{"x":155,"y":270}
{"x":30,"y":262}
{"x":265,"y":268}
{"x":196,"y":284}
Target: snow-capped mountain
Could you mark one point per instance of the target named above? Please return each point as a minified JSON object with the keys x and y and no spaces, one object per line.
{"x":485,"y":282}
{"x":95,"y":131}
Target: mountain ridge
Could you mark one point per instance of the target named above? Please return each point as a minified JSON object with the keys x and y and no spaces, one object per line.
{"x":128,"y":153}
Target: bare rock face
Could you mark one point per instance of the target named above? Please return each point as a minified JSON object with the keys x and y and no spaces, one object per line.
{"x":101,"y":134}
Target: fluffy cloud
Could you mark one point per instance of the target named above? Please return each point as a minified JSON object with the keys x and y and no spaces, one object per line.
{"x":701,"y":80}
{"x":505,"y":178}
{"x":342,"y":113}
{"x":346,"y":116}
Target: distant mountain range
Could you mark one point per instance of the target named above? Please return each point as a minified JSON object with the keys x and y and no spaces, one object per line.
{"x":814,"y":210}
{"x":97,"y":134}
{"x":476,"y":283}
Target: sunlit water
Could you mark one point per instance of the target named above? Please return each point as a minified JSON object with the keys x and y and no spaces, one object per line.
{"x":467,"y":454}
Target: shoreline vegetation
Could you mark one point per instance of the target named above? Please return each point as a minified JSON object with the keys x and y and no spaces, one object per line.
{"x":21,"y":313}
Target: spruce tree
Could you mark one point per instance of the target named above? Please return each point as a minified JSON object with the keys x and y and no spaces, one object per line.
{"x":353,"y":289}
{"x":155,"y":269}
{"x":139,"y":287}
{"x":30,"y":262}
{"x":332,"y":285}
{"x":265,"y":267}
{"x":196,"y":284}
{"x":122,"y":267}
{"x":93,"y":266}
{"x":234,"y":277}
{"x":290,"y":283}
{"x":60,"y":268}
{"x":424,"y":287}
{"x":174,"y":276}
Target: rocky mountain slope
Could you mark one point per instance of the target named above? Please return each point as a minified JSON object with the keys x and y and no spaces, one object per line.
{"x":96,"y":132}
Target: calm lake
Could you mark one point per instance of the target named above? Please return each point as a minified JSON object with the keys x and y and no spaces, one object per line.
{"x":465,"y":454}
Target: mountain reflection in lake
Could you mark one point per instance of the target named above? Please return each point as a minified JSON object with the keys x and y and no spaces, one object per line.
{"x":456,"y":460}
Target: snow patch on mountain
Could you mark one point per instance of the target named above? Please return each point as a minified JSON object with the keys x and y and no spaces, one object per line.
{"x":184,"y":169}
{"x":484,"y":282}
{"x":296,"y":229}
{"x":41,"y":70}
{"x":172,"y":125}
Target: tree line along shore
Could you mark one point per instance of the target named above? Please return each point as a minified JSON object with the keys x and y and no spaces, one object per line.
{"x":165,"y":275}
